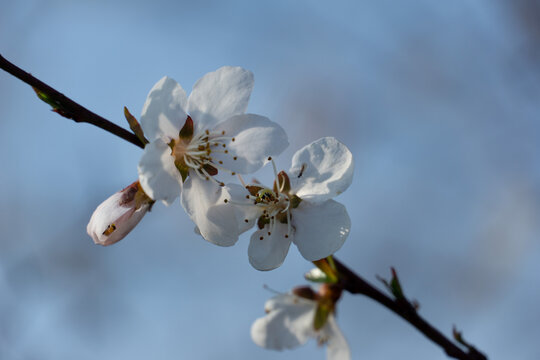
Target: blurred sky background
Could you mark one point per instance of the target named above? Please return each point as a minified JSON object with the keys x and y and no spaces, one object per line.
{"x":438,"y":101}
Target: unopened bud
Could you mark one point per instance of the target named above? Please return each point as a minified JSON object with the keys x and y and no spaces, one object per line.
{"x":118,"y":215}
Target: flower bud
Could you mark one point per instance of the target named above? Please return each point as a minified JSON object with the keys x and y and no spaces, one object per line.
{"x":118,"y":215}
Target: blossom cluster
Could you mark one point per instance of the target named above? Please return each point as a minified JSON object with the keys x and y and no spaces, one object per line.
{"x":194,"y":144}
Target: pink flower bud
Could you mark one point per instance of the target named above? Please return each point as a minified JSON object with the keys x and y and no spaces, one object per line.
{"x":118,"y":215}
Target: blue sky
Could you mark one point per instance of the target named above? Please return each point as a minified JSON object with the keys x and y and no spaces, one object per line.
{"x":438,"y":103}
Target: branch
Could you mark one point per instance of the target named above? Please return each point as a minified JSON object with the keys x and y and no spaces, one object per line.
{"x":406,"y":310}
{"x":347,"y":278}
{"x":67,"y":107}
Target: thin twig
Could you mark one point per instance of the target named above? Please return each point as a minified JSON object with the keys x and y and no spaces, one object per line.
{"x":403,"y":308}
{"x":67,"y":107}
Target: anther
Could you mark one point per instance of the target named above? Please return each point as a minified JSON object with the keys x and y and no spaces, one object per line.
{"x":269,"y":158}
{"x":261,"y":238}
{"x":224,"y":145}
{"x":207,"y":132}
{"x":233,"y":173}
{"x":225,"y":201}
{"x":247,"y":196}
{"x":286,"y":236}
{"x":246,"y":220}
{"x":221,"y":162}
{"x":233,"y":139}
{"x":226,"y":151}
{"x":223,"y":132}
{"x":269,"y":233}
{"x":235,"y":158}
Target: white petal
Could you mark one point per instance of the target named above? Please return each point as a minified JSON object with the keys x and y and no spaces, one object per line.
{"x":163,"y":113}
{"x":255,"y":139}
{"x":269,"y":253}
{"x":159,"y":177}
{"x":286,"y":300}
{"x":321,"y":170}
{"x":219,"y":95}
{"x":284,"y":327}
{"x":336,"y":346}
{"x":203,"y":200}
{"x":321,"y":229}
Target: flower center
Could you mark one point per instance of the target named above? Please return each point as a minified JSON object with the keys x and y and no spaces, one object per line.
{"x":193,"y":151}
{"x":275,"y":208}
{"x":276,"y":203}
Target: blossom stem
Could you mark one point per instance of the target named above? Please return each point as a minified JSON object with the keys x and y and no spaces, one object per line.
{"x":406,"y":310}
{"x":67,"y":107}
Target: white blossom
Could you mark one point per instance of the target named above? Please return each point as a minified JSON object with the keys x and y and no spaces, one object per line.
{"x":186,"y":152}
{"x":289,"y":323}
{"x":300,"y":209}
{"x":114,"y":218}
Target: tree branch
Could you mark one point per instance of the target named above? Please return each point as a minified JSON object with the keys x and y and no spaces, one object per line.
{"x":406,"y":310}
{"x":347,"y":278}
{"x":67,"y":107}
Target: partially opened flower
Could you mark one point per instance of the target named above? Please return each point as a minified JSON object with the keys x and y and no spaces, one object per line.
{"x":292,"y":319}
{"x":118,"y":215}
{"x":299,"y":208}
{"x":187,"y":152}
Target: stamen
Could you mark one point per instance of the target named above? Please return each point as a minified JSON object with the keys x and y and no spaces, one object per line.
{"x":199,"y":175}
{"x":219,"y":167}
{"x":271,"y":226}
{"x":197,"y":153}
{"x":241,"y":180}
{"x":208,"y":177}
{"x":287,"y":207}
{"x":275,"y":175}
{"x":288,"y":222}
{"x":190,"y":163}
{"x":272,"y":290}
